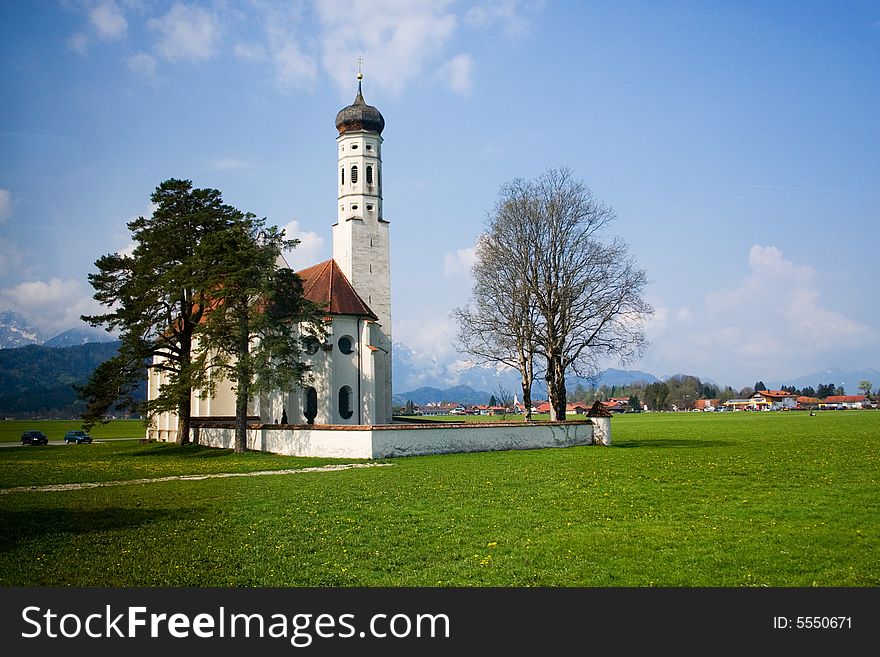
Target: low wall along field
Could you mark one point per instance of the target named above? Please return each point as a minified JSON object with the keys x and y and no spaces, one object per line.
{"x":385,"y":441}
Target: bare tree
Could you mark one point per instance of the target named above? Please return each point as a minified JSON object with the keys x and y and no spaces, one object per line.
{"x":580,"y":298}
{"x":500,"y":324}
{"x":503,"y":397}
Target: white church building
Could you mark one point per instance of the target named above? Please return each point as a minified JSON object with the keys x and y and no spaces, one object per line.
{"x":344,"y":410}
{"x":350,"y":380}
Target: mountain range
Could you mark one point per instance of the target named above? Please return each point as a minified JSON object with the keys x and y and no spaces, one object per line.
{"x":36,"y":374}
{"x":15,"y":331}
{"x":848,"y":379}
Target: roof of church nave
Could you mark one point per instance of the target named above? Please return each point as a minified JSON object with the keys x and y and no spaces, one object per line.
{"x":326,"y":285}
{"x":359,"y":115}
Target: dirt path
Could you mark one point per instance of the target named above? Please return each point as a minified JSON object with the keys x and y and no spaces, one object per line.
{"x":218,"y":475}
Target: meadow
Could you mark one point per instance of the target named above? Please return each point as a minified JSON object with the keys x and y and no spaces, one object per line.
{"x":678,"y":500}
{"x":11,"y":430}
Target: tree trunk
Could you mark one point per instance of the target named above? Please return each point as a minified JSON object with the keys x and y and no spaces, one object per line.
{"x":243,"y":376}
{"x":556,"y":388}
{"x":527,"y":399}
{"x":183,"y":422}
{"x":561,"y":392}
{"x":184,"y":406}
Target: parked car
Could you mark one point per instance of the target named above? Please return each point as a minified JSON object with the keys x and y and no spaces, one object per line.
{"x":34,"y":438}
{"x":77,"y":436}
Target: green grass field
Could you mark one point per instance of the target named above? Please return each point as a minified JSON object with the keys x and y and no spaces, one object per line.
{"x":678,"y":500}
{"x":11,"y":430}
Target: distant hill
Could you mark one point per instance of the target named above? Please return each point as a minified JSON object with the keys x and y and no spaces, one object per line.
{"x":849,"y":379}
{"x":77,"y":336}
{"x":414,"y":371}
{"x":37,"y":381}
{"x":428,"y":395}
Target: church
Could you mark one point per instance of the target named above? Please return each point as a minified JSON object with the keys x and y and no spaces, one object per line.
{"x":350,"y":382}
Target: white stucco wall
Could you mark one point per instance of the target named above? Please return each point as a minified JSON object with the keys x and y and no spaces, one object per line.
{"x":601,"y":430}
{"x":403,"y":440}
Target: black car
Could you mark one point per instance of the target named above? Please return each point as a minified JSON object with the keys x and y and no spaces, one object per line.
{"x":34,"y":438}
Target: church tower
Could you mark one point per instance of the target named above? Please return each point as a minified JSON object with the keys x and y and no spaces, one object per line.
{"x":360,"y":234}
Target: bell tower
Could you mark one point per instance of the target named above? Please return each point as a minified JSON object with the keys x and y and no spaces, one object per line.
{"x":360,"y":234}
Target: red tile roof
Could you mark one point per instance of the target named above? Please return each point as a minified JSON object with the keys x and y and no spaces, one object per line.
{"x":843,"y":399}
{"x":326,"y":285}
{"x":774,"y":393}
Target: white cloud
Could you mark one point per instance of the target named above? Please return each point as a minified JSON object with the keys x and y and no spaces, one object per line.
{"x":107,"y":19}
{"x":5,"y":205}
{"x":142,"y":64}
{"x":186,"y":33}
{"x":79,"y":43}
{"x":771,"y":324}
{"x":252,"y":52}
{"x":456,"y":73}
{"x":310,"y":251}
{"x":459,"y":264}
{"x":230,"y":163}
{"x":53,"y":306}
{"x":295,"y":68}
{"x":513,"y":15}
{"x":396,"y":39}
{"x":429,"y":333}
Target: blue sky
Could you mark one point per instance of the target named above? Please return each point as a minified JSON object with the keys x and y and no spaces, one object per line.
{"x":739,"y":144}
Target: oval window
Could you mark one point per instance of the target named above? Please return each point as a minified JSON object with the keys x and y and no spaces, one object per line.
{"x":346,"y":345}
{"x":311,"y":344}
{"x":345,"y":405}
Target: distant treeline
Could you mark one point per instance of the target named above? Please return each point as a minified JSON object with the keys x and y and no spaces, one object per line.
{"x":38,"y":382}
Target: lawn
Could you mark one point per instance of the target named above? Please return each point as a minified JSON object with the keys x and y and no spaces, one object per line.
{"x":11,"y":430}
{"x":727,"y":500}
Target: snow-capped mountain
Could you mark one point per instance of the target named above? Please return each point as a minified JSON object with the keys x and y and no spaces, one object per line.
{"x":76,"y":336}
{"x":15,"y":331}
{"x":412,"y":371}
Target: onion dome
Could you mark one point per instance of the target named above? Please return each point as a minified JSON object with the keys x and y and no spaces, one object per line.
{"x":359,"y":115}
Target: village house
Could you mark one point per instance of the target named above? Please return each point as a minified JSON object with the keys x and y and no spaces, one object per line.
{"x":836,"y":402}
{"x":773,"y":400}
{"x":706,"y":404}
{"x":764,"y":400}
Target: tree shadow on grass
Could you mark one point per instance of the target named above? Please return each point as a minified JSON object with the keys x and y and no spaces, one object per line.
{"x":675,"y":442}
{"x":184,"y":451}
{"x":25,"y":525}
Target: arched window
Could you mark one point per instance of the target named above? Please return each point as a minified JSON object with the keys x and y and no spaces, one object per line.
{"x":345,"y":403}
{"x":354,"y":174}
{"x":343,"y":175}
{"x":369,"y":175}
{"x":310,"y":407}
{"x":346,"y":344}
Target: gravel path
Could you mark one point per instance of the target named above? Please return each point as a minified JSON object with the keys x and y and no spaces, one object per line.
{"x":218,"y":475}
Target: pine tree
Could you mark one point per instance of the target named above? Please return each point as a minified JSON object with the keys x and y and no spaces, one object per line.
{"x":251,"y":331}
{"x":157,"y":298}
